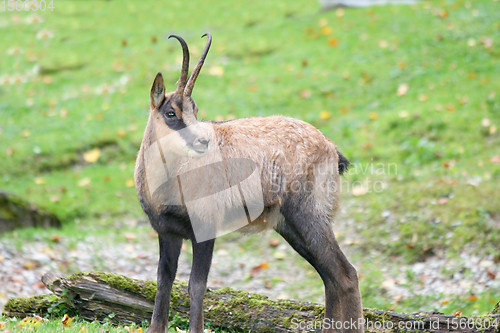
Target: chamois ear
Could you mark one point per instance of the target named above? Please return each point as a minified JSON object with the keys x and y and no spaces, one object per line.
{"x":157,"y":91}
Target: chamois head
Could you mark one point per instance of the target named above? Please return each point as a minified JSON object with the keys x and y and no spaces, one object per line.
{"x":175,"y":113}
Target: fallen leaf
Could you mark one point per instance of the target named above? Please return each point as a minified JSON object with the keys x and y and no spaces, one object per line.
{"x":359,"y":190}
{"x":29,"y":265}
{"x":26,"y":133}
{"x":84,"y":182}
{"x":305,"y":93}
{"x":493,"y":129}
{"x":55,"y":238}
{"x":333,"y":42}
{"x":121,"y":133}
{"x":340,"y":12}
{"x":268,"y":285}
{"x":83,"y":329}
{"x":324,"y":115}
{"x":253,"y":88}
{"x":373,"y":115}
{"x":130,"y":236}
{"x":216,"y":70}
{"x":326,"y":30}
{"x":2,"y":324}
{"x":129,"y":183}
{"x":55,"y":198}
{"x":383,"y":43}
{"x":457,"y":314}
{"x":423,"y":98}
{"x":274,"y":242}
{"x":92,"y":155}
{"x":403,"y":89}
{"x":492,"y":275}
{"x":66,"y":321}
{"x":40,"y":180}
{"x":442,"y":201}
{"x":444,"y":302}
{"x":495,"y":159}
{"x":472,"y":298}
{"x":254,"y":271}
{"x":279,"y":255}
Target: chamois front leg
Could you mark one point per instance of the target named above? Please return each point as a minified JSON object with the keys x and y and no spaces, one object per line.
{"x":170,"y":248}
{"x":202,"y":260}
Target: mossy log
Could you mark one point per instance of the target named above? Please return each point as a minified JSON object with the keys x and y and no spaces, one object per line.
{"x":101,"y":296}
{"x":18,"y":213}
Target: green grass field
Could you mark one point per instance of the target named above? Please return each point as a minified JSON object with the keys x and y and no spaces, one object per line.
{"x":410,"y":94}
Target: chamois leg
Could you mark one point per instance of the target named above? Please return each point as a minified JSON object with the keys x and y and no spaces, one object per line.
{"x":170,"y":248}
{"x":313,"y":239}
{"x":202,"y":259}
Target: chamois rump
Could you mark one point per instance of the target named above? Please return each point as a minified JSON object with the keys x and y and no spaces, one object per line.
{"x":298,"y":169}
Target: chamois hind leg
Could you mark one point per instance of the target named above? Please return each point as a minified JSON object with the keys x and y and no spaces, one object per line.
{"x":202,"y":259}
{"x":170,"y":248}
{"x":312,"y":237}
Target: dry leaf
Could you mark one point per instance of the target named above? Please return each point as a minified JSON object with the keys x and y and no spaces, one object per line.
{"x":403,"y":89}
{"x":66,"y":321}
{"x":472,"y":298}
{"x":442,"y":201}
{"x":130,"y":236}
{"x":383,"y":43}
{"x":40,"y":180}
{"x":274,"y":242}
{"x":2,"y":324}
{"x":29,"y":265}
{"x":333,"y":42}
{"x":324,"y":115}
{"x":84,"y":182}
{"x":495,"y":159}
{"x":55,"y":238}
{"x":305,"y":93}
{"x":359,"y":190}
{"x":92,"y":155}
{"x":457,"y":314}
{"x":130,"y":183}
{"x":83,"y":329}
{"x":326,"y":30}
{"x":216,"y":70}
{"x":423,"y":98}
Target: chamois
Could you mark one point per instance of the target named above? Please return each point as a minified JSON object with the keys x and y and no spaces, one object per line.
{"x":297,"y":169}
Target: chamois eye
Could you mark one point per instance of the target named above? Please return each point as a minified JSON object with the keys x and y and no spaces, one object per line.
{"x":171,"y":114}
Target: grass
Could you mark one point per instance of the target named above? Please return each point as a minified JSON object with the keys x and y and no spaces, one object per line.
{"x":83,"y":84}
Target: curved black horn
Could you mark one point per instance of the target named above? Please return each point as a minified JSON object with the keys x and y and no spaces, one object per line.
{"x":185,"y":66}
{"x":197,"y":68}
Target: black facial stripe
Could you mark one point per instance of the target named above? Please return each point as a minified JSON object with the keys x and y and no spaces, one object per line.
{"x":176,"y":124}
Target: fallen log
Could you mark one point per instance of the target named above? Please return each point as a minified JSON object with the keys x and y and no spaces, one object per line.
{"x":101,"y":296}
